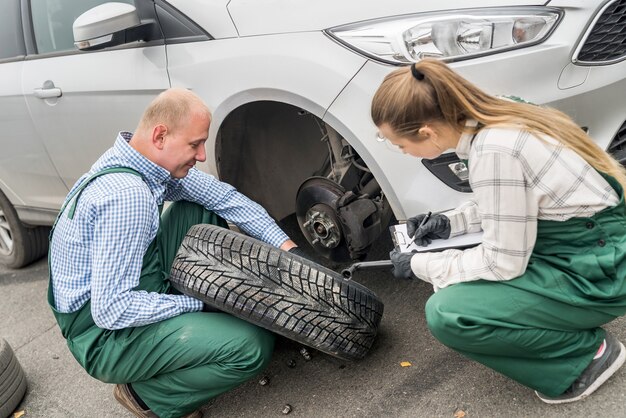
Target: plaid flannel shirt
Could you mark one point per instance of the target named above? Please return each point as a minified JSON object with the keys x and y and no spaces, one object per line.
{"x":517,"y":179}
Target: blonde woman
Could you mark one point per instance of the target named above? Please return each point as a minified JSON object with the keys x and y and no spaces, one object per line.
{"x":528,"y":301}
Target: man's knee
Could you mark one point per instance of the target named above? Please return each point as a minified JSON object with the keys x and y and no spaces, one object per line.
{"x":234,"y":344}
{"x":251,"y":352}
{"x":189,"y":213}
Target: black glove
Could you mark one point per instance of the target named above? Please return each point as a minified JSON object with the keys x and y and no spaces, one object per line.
{"x":401,"y":264}
{"x":436,"y":227}
{"x":298,"y":251}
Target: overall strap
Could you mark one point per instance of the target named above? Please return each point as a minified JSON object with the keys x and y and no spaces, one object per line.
{"x":73,"y":198}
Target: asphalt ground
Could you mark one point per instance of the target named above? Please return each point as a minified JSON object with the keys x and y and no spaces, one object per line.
{"x":439,"y":382}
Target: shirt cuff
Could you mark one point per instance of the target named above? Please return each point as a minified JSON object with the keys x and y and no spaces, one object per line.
{"x":192,"y":304}
{"x":457,"y":222}
{"x":275,"y":236}
{"x":419,"y":263}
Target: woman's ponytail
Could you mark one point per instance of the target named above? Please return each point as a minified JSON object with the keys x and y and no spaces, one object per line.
{"x":406,"y":102}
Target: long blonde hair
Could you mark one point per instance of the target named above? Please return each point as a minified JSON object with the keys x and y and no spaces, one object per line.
{"x":406,"y":103}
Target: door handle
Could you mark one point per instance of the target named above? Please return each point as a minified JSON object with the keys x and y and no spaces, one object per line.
{"x":48,"y":91}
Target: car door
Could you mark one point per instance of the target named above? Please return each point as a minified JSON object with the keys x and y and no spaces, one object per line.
{"x":27,"y":176}
{"x":79,"y":101}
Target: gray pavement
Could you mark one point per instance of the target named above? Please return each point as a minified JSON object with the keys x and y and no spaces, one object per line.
{"x":438,"y":384}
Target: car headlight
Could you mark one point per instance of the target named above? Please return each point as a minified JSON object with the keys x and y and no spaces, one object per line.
{"x":450,"y":36}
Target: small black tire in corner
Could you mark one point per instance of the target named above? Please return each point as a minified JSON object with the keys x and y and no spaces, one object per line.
{"x":279,"y":291}
{"x":12,"y":380}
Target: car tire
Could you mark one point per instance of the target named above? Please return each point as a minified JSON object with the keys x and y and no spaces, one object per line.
{"x":20,"y":245}
{"x":12,"y":380}
{"x":282,"y":292}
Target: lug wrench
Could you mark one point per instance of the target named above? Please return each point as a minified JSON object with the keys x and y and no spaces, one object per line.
{"x":347,"y":273}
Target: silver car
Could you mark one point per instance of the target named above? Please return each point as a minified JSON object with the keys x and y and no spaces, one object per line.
{"x":290,"y":84}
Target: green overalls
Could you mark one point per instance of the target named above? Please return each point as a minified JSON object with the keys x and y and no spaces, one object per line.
{"x":542,"y":329}
{"x":178,"y":364}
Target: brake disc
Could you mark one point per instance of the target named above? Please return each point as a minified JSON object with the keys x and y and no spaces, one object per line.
{"x":316,"y":204}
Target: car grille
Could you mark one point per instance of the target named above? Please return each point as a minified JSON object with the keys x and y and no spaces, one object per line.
{"x":606,"y":41}
{"x":617,"y":147}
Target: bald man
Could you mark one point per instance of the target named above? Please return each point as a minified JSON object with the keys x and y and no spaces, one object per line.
{"x":110,"y":255}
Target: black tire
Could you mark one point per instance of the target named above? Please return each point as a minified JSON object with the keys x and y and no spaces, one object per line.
{"x":12,"y":380}
{"x":19,"y":245}
{"x":276,"y":290}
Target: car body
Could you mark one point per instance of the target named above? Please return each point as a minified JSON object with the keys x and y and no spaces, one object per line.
{"x":290,"y":85}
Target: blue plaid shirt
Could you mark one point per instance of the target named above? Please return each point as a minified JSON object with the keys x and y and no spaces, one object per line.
{"x":99,"y":253}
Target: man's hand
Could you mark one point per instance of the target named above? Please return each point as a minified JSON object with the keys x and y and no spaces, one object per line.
{"x":401,"y":264}
{"x":300,"y":252}
{"x":436,"y":227}
{"x":292,"y":247}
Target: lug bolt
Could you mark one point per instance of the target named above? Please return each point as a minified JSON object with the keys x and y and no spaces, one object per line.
{"x":305,"y":353}
{"x":286,"y":409}
{"x":264,"y":381}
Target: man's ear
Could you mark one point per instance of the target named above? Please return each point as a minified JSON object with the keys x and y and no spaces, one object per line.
{"x":158,"y":136}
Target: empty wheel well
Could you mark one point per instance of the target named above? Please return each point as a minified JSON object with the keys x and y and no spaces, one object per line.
{"x":267,"y":149}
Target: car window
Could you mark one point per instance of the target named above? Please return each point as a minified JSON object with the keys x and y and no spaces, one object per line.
{"x":177,"y":27}
{"x":12,"y":44}
{"x":53,"y":20}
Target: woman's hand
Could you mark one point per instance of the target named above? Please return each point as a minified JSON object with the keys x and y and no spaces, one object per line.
{"x":436,"y":227}
{"x":401,"y":264}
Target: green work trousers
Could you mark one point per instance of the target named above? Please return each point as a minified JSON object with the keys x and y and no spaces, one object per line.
{"x":542,"y":329}
{"x":178,"y":364}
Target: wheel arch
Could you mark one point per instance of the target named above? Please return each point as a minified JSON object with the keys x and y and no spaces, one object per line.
{"x":252,"y":130}
{"x":239,"y":158}
{"x":10,"y":194}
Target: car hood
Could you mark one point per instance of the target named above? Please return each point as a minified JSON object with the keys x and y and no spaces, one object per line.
{"x":261,"y":17}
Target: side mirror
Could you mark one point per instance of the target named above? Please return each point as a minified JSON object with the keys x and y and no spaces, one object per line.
{"x":107,"y":25}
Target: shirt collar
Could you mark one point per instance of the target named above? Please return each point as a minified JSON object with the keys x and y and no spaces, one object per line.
{"x":150,"y":170}
{"x":465,"y":142}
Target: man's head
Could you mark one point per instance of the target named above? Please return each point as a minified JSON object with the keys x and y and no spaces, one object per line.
{"x":173,"y":130}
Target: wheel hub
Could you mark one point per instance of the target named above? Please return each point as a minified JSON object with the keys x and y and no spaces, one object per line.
{"x":322,"y":226}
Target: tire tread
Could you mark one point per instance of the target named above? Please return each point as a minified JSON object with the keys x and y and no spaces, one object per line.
{"x":12,"y":380}
{"x":282,"y":292}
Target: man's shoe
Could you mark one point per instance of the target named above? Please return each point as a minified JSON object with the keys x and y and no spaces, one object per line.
{"x":598,"y":371}
{"x":122,"y":395}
